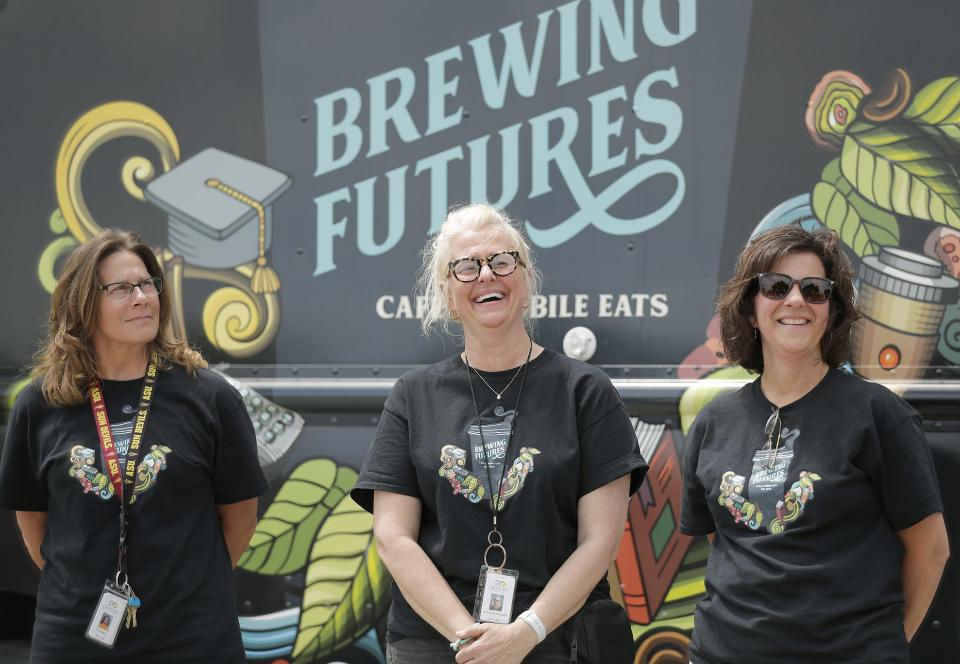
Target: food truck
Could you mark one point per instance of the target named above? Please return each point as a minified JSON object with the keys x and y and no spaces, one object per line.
{"x":640,"y":144}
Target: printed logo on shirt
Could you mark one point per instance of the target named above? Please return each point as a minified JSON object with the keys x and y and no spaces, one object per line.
{"x":769,"y":505}
{"x":82,"y":467}
{"x":492,"y":450}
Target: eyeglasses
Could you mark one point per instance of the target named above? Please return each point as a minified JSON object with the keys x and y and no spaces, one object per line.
{"x":122,"y":291}
{"x":776,"y":286}
{"x":501,"y":264}
{"x":773,"y":422}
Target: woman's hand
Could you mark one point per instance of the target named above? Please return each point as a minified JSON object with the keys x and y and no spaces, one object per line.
{"x":396,"y":526}
{"x":496,"y":644}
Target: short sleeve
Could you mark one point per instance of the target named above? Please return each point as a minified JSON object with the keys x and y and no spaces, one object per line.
{"x":902,"y":471}
{"x":608,"y":443}
{"x":236,"y":473}
{"x":389,"y":465}
{"x":20,"y":485}
{"x":695,"y":516}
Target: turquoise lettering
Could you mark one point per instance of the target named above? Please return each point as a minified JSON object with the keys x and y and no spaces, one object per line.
{"x":656,"y":30}
{"x":328,"y":229}
{"x":509,"y":167}
{"x":602,"y":130}
{"x":439,"y":88}
{"x":569,"y":70}
{"x":542,"y":153}
{"x":396,"y":213}
{"x":382,"y":113}
{"x":593,"y":209}
{"x":515,"y":65}
{"x":664,"y":112}
{"x":437,"y":165}
{"x":618,"y":35}
{"x":329,"y":128}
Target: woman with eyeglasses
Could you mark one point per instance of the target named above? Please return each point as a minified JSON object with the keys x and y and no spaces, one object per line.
{"x":816,"y":487}
{"x":499,"y":477}
{"x":133,"y":472}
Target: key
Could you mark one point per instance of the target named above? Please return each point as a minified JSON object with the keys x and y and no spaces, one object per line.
{"x":133,"y":603}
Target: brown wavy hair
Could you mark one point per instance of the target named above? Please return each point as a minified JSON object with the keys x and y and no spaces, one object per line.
{"x":66,"y":363}
{"x":735,"y":300}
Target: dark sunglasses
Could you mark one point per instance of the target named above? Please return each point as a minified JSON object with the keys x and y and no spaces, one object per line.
{"x":776,"y":286}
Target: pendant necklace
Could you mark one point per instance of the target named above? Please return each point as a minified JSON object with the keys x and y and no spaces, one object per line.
{"x":504,"y":390}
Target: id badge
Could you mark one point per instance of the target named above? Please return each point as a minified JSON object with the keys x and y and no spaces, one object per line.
{"x":495,"y":593}
{"x":107,"y":617}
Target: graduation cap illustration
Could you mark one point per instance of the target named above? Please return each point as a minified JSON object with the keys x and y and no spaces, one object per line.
{"x":220,"y":215}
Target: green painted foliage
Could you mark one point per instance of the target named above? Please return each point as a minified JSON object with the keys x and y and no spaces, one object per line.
{"x":704,"y":391}
{"x":861,"y":225}
{"x":898,"y":167}
{"x":284,"y":536}
{"x":346,"y":586}
{"x":937,"y":106}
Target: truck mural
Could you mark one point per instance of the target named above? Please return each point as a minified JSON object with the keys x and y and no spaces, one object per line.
{"x":609,"y":127}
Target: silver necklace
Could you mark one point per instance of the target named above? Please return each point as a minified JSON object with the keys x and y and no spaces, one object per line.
{"x":504,"y":390}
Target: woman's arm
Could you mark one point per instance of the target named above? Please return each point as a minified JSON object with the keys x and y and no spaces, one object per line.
{"x":33,"y":527}
{"x":396,"y":525}
{"x":925,"y":552}
{"x":600,"y":517}
{"x":238,"y":521}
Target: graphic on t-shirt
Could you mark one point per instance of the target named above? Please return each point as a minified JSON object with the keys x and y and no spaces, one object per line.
{"x":453,"y":467}
{"x":147,"y":470}
{"x":82,"y":460}
{"x":767,"y":498}
{"x":453,"y":460}
{"x":81,"y":466}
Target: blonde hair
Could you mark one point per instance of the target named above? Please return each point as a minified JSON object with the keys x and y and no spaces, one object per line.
{"x":65,"y":364}
{"x":433,"y":279}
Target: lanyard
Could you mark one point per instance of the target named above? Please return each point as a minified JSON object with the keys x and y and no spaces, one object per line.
{"x":109,"y":451}
{"x":496,"y":495}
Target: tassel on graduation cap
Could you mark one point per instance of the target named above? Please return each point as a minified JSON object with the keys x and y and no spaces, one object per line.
{"x":263,"y":279}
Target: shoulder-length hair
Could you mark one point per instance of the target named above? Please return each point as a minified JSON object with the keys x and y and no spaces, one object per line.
{"x":432,"y":281}
{"x":735,"y":300}
{"x":65,"y":363}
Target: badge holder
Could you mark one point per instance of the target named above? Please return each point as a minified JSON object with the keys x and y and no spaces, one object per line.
{"x":108,"y":616}
{"x":497,"y":586}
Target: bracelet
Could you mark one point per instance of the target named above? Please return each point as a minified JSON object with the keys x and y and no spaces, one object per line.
{"x":533,"y":622}
{"x":456,"y":645}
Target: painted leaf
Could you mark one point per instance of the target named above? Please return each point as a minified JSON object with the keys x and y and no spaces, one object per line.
{"x":898,"y":167}
{"x":283,"y":538}
{"x":346,"y":585}
{"x":706,"y":390}
{"x":861,"y":225}
{"x":937,"y":106}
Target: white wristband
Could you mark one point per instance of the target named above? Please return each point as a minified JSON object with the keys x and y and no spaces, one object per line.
{"x":533,"y":621}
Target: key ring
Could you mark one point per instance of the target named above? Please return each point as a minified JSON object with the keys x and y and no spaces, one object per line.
{"x":495,"y":534}
{"x":116,"y":580}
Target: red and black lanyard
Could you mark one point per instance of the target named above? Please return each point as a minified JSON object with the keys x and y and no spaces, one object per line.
{"x":122,"y":481}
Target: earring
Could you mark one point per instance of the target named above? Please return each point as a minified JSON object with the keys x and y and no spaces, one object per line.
{"x":756,"y":333}
{"x":454,"y":315}
{"x":526,"y":303}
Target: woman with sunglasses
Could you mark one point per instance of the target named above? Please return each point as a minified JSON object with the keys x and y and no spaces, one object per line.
{"x":133,"y":471}
{"x":815,"y":487}
{"x":499,"y":478}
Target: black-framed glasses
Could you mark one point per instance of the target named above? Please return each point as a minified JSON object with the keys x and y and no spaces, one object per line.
{"x":776,"y":286}
{"x":122,"y":291}
{"x":501,"y":264}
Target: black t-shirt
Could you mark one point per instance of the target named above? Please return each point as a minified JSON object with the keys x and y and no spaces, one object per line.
{"x":805,"y":565}
{"x":198,"y":451}
{"x":572,"y":435}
